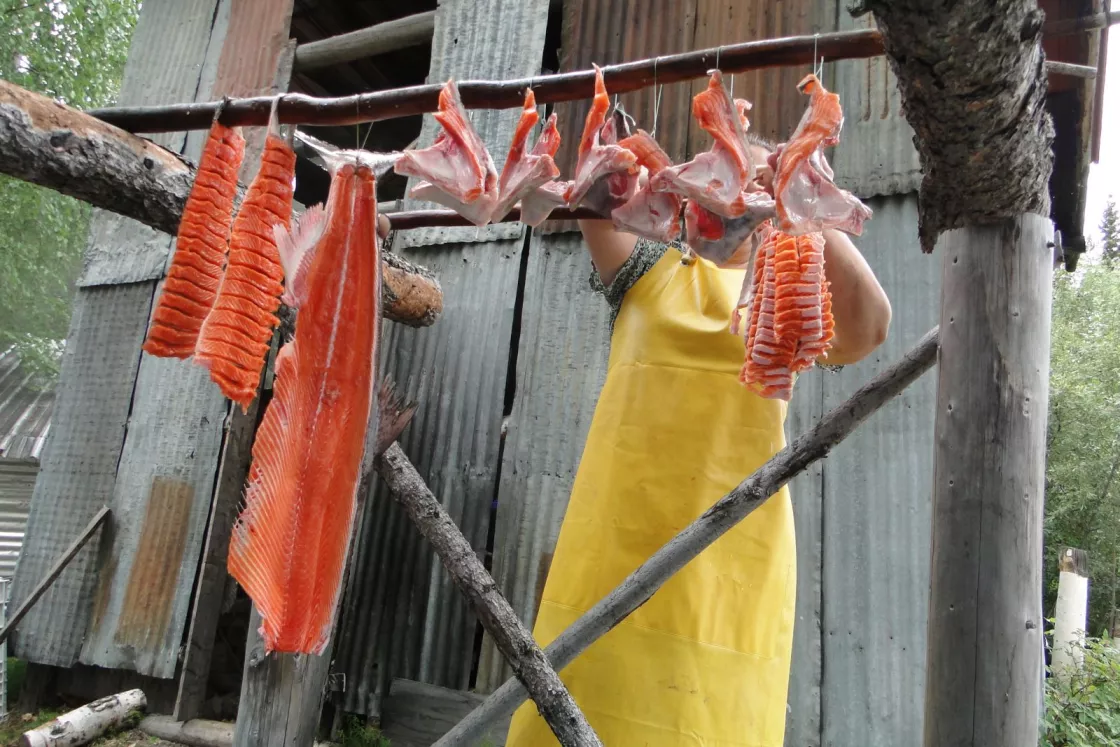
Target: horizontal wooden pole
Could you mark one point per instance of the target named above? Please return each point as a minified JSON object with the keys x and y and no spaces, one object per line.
{"x":1068,"y":68}
{"x":406,"y":219}
{"x":295,"y":108}
{"x":400,"y":33}
{"x":54,"y":146}
{"x":728,"y":511}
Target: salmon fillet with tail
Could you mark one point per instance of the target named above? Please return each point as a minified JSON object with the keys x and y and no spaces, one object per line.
{"x":606,"y":175}
{"x":234,"y":340}
{"x":290,"y":543}
{"x":653,"y":215}
{"x":808,"y":201}
{"x":717,"y":179}
{"x":201,"y":244}
{"x":457,"y":170}
{"x":525,"y":173}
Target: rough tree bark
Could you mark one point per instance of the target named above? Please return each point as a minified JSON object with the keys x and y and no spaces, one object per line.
{"x":54,"y":146}
{"x":972,"y":77}
{"x":514,"y":640}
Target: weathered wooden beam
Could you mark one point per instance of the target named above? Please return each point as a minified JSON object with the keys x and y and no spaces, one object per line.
{"x":55,"y":571}
{"x":54,"y":146}
{"x":405,"y":219}
{"x":512,"y":638}
{"x":509,"y":94}
{"x":400,"y":33}
{"x":728,"y":511}
{"x":984,"y":661}
{"x":973,"y":86}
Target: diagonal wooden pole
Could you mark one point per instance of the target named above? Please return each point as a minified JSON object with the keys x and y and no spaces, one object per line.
{"x":640,"y":585}
{"x":515,"y":642}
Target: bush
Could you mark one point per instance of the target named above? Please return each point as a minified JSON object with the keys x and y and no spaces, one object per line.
{"x":1085,"y":711}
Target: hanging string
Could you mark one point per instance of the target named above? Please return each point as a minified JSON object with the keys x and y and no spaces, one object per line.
{"x":817,"y":67}
{"x":656,"y":100}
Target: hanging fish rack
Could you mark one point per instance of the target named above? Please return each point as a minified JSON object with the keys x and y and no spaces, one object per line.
{"x":300,"y":109}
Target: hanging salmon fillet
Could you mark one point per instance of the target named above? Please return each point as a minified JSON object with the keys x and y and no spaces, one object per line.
{"x":290,"y":543}
{"x":808,"y":201}
{"x":717,"y":179}
{"x":790,"y":321}
{"x":524,"y":172}
{"x":606,"y":175}
{"x":234,"y":340}
{"x":457,"y":170}
{"x":652,"y":215}
{"x":200,"y":248}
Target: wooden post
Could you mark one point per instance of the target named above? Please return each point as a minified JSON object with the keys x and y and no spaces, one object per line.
{"x":1071,"y":612}
{"x":985,"y":617}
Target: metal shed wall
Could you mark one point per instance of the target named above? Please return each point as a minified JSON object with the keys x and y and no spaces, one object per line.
{"x":98,"y":373}
{"x":402,"y":616}
{"x":17,"y":481}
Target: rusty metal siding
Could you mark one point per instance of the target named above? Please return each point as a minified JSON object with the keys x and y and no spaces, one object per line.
{"x":489,"y":40}
{"x":402,"y":617}
{"x":876,"y":155}
{"x":165,"y":479}
{"x":98,"y":374}
{"x":561,"y":364}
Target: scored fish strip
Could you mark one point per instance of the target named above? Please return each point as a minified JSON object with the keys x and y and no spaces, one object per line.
{"x":790,"y":321}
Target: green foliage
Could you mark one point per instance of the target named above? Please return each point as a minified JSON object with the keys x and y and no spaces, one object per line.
{"x":12,"y":727}
{"x":1083,"y":455}
{"x":73,"y":51}
{"x":17,"y":672}
{"x":1110,"y":233}
{"x":355,"y":733}
{"x":1084,"y":711}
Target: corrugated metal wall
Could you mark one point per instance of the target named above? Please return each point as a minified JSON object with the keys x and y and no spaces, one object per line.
{"x":402,"y":617}
{"x":17,"y":481}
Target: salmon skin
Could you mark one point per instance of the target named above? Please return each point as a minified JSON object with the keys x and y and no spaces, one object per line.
{"x":200,"y":248}
{"x":457,"y":170}
{"x":716,"y":238}
{"x":652,"y":215}
{"x":717,"y":179}
{"x":525,"y":173}
{"x":808,"y":201}
{"x":290,"y":543}
{"x":606,"y":175}
{"x":235,"y":337}
{"x":789,"y":324}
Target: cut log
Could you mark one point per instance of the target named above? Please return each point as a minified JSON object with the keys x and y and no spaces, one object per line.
{"x":87,"y":723}
{"x":1071,"y":613}
{"x":54,"y":146}
{"x":399,"y":33}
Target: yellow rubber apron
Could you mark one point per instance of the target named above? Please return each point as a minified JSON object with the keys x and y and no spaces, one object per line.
{"x":706,"y":660}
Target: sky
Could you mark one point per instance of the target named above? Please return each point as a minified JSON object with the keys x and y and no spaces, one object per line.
{"x":1104,"y":176}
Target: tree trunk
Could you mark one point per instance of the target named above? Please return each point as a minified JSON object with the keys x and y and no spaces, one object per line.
{"x":985,"y":616}
{"x":1071,"y":612}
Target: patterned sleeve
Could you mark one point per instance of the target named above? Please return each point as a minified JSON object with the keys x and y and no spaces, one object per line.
{"x":645,"y":255}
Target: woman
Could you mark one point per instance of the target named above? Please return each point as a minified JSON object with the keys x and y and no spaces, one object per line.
{"x":706,"y":660}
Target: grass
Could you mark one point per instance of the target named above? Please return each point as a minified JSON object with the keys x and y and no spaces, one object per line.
{"x":356,"y":734}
